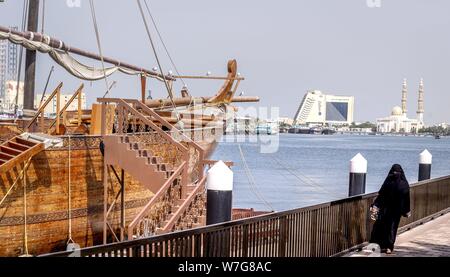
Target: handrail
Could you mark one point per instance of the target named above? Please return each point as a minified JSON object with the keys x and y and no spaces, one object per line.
{"x":171,"y":127}
{"x":185,"y":205}
{"x":319,"y":230}
{"x":160,"y":193}
{"x":152,"y":113}
{"x":162,"y":121}
{"x":124,"y":105}
{"x":77,"y":93}
{"x":41,"y":109}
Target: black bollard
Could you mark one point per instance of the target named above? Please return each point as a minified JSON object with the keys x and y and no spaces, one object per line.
{"x":425,"y":159}
{"x":219,"y":198}
{"x":358,"y":172}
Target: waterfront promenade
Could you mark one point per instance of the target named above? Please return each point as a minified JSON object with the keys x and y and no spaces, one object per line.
{"x":431,"y":239}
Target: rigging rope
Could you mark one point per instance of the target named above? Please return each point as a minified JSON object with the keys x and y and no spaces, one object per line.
{"x":308,"y":181}
{"x":69,"y":204}
{"x":46,"y":85}
{"x":157,"y":59}
{"x":43,"y":16}
{"x":15,"y":182}
{"x":251,"y":180}
{"x":97,"y":35}
{"x":162,"y":41}
{"x":25,"y":232}
{"x":110,"y":87}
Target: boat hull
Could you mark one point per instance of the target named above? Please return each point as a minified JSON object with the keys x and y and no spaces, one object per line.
{"x":47,"y":197}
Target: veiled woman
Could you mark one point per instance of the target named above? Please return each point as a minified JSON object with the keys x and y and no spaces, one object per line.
{"x":391,"y":204}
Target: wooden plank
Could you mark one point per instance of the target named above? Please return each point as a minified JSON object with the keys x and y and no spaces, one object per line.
{"x":17,"y":146}
{"x":25,"y":142}
{"x":5,"y":156}
{"x":9,"y":150}
{"x":96,"y":119}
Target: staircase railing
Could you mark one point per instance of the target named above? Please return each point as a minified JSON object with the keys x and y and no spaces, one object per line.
{"x":135,"y":228}
{"x":40,"y":112}
{"x":142,"y":123}
{"x":196,"y":195}
{"x":147,"y":116}
{"x":77,"y":94}
{"x":188,"y":140}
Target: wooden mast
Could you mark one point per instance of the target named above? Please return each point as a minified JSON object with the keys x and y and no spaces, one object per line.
{"x":30,"y":59}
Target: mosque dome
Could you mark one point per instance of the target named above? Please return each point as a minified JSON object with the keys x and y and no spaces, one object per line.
{"x":397,"y":111}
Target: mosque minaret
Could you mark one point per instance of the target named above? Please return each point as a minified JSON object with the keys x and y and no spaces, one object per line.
{"x":398,"y":121}
{"x":404,"y":97}
{"x":420,"y":108}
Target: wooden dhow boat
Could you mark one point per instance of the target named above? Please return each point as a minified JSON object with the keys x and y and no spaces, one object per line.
{"x":124,"y":169}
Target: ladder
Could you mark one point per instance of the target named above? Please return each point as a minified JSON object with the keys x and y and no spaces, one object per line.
{"x":16,"y":151}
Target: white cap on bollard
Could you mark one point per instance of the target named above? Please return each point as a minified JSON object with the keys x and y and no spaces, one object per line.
{"x":425,"y":157}
{"x":219,"y":177}
{"x":358,"y":164}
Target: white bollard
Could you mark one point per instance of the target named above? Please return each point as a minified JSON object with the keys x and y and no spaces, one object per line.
{"x":219,"y":185}
{"x":358,"y":172}
{"x":425,"y":159}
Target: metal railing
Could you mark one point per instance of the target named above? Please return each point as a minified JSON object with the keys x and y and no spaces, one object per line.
{"x":316,"y":231}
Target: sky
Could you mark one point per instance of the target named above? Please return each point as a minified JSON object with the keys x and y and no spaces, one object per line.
{"x":283,"y":48}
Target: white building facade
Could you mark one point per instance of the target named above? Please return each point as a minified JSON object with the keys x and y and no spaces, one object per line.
{"x":318,"y":108}
{"x":8,"y":101}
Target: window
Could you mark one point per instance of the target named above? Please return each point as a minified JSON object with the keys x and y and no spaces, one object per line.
{"x":337,"y":111}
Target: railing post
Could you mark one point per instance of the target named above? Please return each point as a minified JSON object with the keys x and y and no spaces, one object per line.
{"x":42,"y":121}
{"x":282,"y":237}
{"x":79,"y":108}
{"x":58,"y":107}
{"x":103,"y":119}
{"x":120,"y":119}
{"x":143,"y":87}
{"x":184,"y":174}
{"x":201,"y":158}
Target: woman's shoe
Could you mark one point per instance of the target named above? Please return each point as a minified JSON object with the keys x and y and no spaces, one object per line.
{"x":389,"y":251}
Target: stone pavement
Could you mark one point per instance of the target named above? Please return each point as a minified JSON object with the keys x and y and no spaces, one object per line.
{"x":431,"y":239}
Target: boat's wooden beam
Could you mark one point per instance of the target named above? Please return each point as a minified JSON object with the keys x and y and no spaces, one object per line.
{"x":58,"y":44}
{"x":209,"y":77}
{"x":184,"y":101}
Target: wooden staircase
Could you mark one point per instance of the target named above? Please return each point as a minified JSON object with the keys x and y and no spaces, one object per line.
{"x":182,"y":209}
{"x":146,"y":167}
{"x":141,"y":147}
{"x":18,"y":150}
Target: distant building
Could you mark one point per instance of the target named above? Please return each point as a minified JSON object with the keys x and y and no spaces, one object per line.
{"x":8,"y":101}
{"x":241,"y":125}
{"x":398,"y":121}
{"x":51,"y":107}
{"x":286,"y":121}
{"x":3,"y":66}
{"x":444,"y":125}
{"x":8,"y":63}
{"x":318,"y":108}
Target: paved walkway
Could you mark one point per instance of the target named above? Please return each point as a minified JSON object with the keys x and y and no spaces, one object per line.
{"x":431,"y":239}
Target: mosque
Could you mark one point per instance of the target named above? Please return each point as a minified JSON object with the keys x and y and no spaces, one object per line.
{"x":398,"y":121}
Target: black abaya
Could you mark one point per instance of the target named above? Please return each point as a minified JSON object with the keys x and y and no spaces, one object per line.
{"x":393,"y":202}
